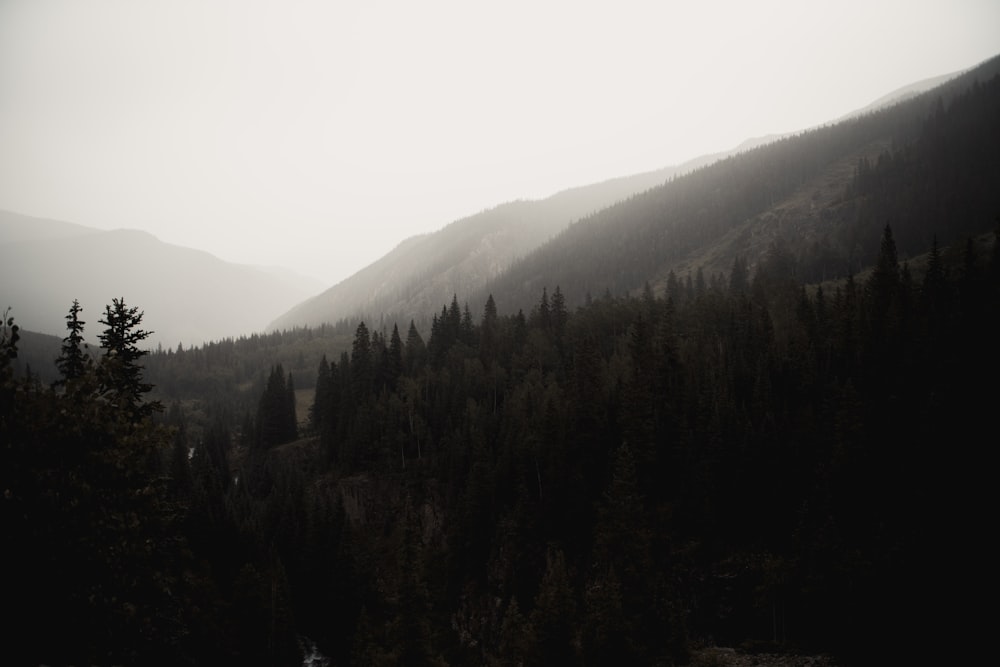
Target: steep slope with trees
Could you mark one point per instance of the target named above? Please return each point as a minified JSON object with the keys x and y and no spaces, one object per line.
{"x":468,"y":254}
{"x":471,"y":256}
{"x":824,"y":194}
{"x":736,"y":456}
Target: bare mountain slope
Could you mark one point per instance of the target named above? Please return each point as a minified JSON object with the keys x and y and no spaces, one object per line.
{"x":189,"y":296}
{"x":17,"y":227}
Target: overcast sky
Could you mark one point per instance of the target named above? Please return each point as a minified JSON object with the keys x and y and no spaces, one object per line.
{"x":317,"y":135}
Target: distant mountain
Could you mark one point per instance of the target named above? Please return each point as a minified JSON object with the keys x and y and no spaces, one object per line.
{"x":902,"y":94}
{"x":188,"y":296}
{"x":617,"y":236}
{"x":16,"y":227}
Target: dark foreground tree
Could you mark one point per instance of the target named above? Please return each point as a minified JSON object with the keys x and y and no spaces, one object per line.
{"x":73,"y":361}
{"x":99,"y":570}
{"x":122,"y":377}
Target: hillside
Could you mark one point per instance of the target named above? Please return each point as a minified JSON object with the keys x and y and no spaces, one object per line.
{"x":422,"y":271}
{"x":471,"y":255}
{"x":927,"y":165}
{"x":733,"y":465}
{"x":189,"y":296}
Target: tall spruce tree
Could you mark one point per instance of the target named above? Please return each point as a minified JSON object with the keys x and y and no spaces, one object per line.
{"x":73,"y":361}
{"x":276,"y":410}
{"x":488,"y":333}
{"x":883,"y":284}
{"x":362,"y":365}
{"x":122,"y":373}
{"x":394,"y":358}
{"x":319,"y":412}
{"x":415,"y":351}
{"x":290,"y":419}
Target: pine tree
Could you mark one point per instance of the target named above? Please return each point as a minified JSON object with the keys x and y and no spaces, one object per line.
{"x":739,"y":276}
{"x":488,"y":333}
{"x":290,"y":419}
{"x":554,"y":616}
{"x":73,"y":361}
{"x":544,"y":310}
{"x":122,"y":373}
{"x":884,"y":281}
{"x":604,"y":629}
{"x":394,"y":359}
{"x":362,"y":367}
{"x":415,"y":350}
{"x":276,"y":422}
{"x":673,"y":288}
{"x":468,"y":330}
{"x":319,"y":412}
{"x":453,"y":323}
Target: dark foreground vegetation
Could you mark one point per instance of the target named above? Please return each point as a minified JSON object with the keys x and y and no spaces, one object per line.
{"x":745,"y":462}
{"x":781,"y":453}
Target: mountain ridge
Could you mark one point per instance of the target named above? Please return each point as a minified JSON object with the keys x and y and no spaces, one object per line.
{"x":459,"y":259}
{"x":413,"y":280}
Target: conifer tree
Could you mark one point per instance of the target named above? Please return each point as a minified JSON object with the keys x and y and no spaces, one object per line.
{"x":553,"y":618}
{"x":415,"y":350}
{"x":362,"y":367}
{"x":488,"y":333}
{"x":453,"y":322}
{"x":73,"y":361}
{"x":319,"y":412}
{"x":884,"y":281}
{"x":276,"y":422}
{"x":122,"y":373}
{"x":673,"y":288}
{"x":468,"y":330}
{"x":558,"y":311}
{"x":290,"y":421}
{"x":739,"y":278}
{"x":394,"y":358}
{"x":544,"y":310}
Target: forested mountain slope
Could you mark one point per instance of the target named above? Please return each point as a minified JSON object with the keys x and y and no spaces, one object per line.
{"x":743,"y":460}
{"x":800,"y":177}
{"x":422,"y":271}
{"x":929,"y":166}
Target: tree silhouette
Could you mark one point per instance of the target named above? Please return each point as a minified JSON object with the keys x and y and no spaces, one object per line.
{"x":122,"y":374}
{"x":73,"y":361}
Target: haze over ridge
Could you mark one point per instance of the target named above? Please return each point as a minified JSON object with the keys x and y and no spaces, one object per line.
{"x":319,"y":135}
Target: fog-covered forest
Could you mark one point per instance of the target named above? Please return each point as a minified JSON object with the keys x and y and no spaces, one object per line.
{"x":754,"y":461}
{"x":699,"y":418}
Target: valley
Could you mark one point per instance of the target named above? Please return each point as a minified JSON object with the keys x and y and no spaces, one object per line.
{"x":726,"y":414}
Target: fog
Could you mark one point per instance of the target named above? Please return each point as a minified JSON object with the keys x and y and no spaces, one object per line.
{"x":318,"y":135}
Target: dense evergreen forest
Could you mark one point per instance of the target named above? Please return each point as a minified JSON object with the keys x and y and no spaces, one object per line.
{"x":602,"y":461}
{"x":750,"y":462}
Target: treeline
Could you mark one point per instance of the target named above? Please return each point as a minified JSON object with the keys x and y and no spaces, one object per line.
{"x":746,"y":462}
{"x":750,"y":463}
{"x":95,"y":567}
{"x":128,"y":539}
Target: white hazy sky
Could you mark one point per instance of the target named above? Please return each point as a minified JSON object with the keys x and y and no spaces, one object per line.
{"x":317,"y":135}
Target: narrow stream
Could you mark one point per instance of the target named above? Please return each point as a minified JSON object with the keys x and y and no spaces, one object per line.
{"x":311,"y":657}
